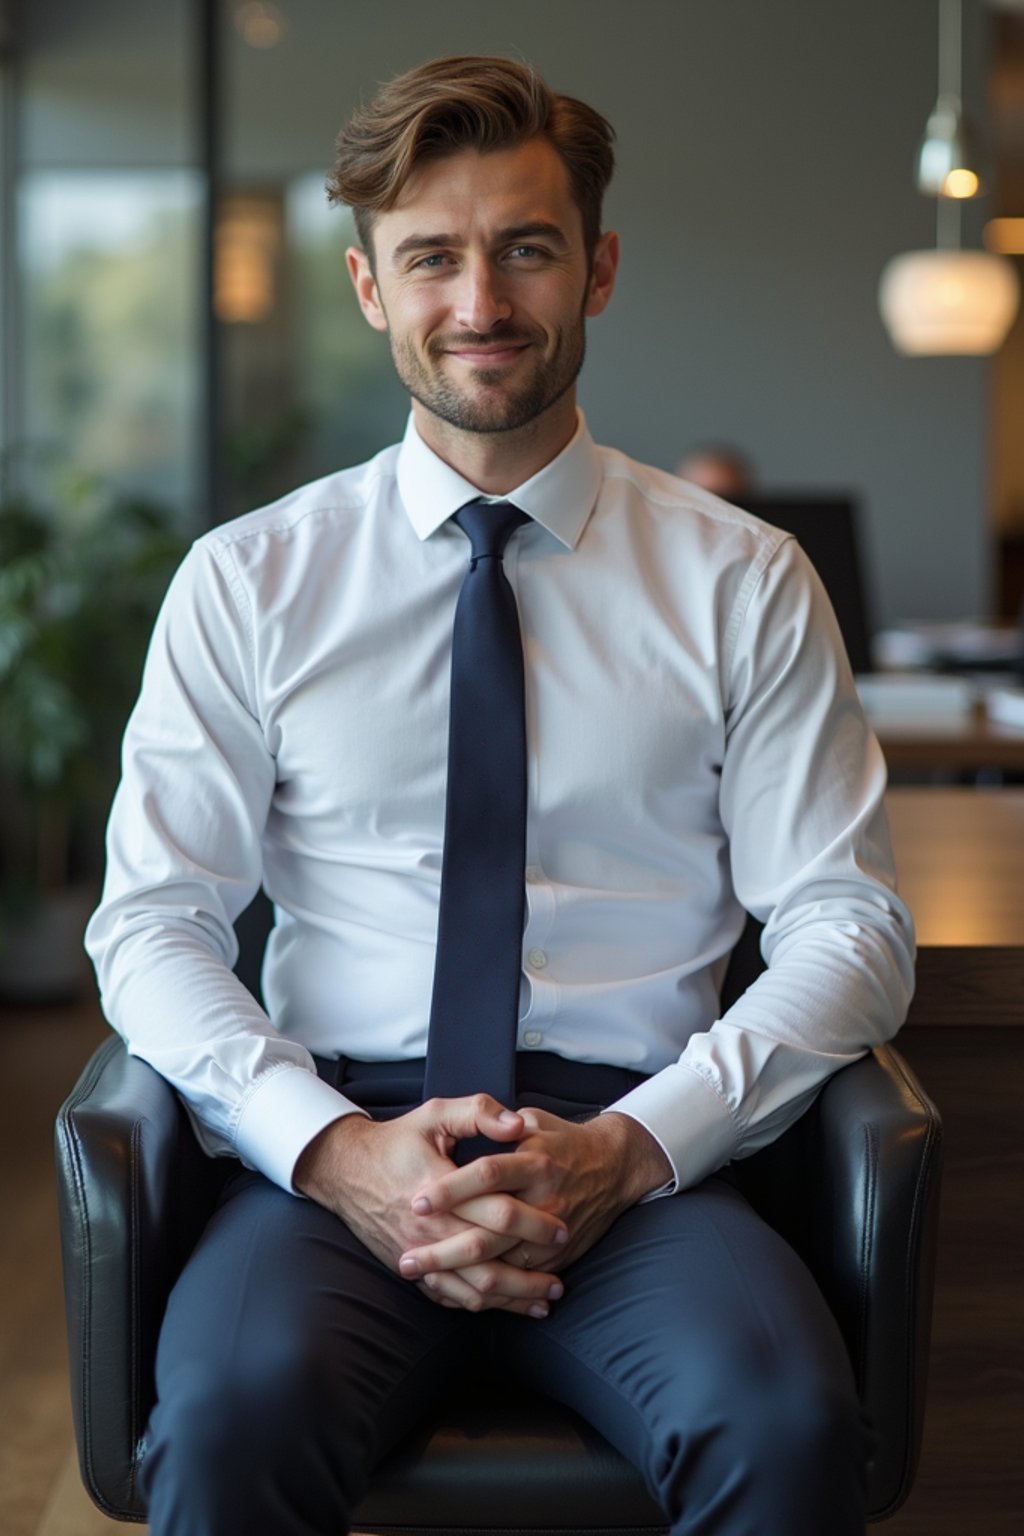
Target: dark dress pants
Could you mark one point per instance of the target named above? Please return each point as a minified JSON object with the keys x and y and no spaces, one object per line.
{"x":691,"y":1336}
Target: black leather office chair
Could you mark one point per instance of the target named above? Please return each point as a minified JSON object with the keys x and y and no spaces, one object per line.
{"x":853,"y":1186}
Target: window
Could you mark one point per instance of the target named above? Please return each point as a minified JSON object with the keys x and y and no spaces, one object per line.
{"x":107,"y":282}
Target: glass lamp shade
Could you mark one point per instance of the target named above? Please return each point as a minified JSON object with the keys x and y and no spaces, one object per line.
{"x":938,"y":303}
{"x":945,"y":160}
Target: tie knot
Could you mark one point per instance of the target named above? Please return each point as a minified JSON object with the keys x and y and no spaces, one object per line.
{"x":488,"y":525}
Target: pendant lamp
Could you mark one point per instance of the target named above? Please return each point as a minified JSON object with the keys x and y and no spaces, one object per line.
{"x":947,"y":301}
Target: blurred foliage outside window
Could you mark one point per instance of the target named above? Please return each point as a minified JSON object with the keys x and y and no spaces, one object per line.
{"x":112,"y":368}
{"x":109,"y":292}
{"x":103,"y":475}
{"x":79,"y":590}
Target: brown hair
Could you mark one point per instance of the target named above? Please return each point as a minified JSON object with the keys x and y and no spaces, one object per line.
{"x":465,"y":103}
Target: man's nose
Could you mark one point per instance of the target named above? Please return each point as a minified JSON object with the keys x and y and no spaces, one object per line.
{"x":481,"y":302}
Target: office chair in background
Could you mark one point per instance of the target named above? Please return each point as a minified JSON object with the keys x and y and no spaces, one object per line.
{"x":827,"y":527}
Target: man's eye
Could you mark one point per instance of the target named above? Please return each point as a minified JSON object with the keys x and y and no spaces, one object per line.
{"x":433,"y":261}
{"x":526,"y":252}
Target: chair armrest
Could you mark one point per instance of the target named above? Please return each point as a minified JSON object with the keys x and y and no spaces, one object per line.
{"x":854,"y":1186}
{"x":134,"y":1189}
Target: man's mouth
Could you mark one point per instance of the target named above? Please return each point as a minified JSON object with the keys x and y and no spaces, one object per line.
{"x":494,"y":355}
{"x":483,"y":351}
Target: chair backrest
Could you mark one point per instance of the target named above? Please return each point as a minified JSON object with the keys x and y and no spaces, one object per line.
{"x":826,"y":527}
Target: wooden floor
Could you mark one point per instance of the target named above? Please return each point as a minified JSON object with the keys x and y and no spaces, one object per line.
{"x":971,"y":1481}
{"x":41,"y":1052}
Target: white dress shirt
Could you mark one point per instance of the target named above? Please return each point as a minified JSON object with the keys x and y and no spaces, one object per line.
{"x":695,"y":746}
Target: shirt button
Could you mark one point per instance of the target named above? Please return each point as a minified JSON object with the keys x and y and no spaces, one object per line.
{"x":538,"y":959}
{"x":532,"y":1037}
{"x":532,"y":874}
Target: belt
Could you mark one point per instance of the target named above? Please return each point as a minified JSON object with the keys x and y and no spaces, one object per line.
{"x":574,"y":1089}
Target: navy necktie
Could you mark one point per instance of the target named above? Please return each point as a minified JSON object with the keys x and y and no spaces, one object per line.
{"x":474,"y":1011}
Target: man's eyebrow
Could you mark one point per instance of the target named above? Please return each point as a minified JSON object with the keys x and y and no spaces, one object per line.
{"x":413,"y":243}
{"x":536,"y":229}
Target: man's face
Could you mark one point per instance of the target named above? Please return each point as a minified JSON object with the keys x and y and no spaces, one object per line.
{"x":482,"y":283}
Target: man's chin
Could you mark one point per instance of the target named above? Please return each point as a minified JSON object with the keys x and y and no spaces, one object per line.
{"x":490,"y":409}
{"x":480,"y":416}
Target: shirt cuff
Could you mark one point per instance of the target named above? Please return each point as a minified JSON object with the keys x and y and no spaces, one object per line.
{"x":690,"y":1122}
{"x":281,"y":1117}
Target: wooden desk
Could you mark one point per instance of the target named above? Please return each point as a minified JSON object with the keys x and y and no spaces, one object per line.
{"x":960,"y":745}
{"x":960,"y":862}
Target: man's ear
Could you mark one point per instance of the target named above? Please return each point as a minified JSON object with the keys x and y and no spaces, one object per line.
{"x":602,"y":273}
{"x":365,"y":285}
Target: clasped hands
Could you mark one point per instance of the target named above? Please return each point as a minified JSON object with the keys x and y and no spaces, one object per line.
{"x":497,"y":1232}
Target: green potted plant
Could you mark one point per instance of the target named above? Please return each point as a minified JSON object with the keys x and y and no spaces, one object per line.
{"x":79,"y":591}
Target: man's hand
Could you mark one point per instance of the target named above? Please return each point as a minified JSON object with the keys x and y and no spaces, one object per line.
{"x":587,"y":1175}
{"x":368,"y":1172}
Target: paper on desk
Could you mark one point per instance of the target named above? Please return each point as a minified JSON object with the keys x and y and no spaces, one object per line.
{"x":893,"y":696}
{"x":1005,"y":705}
{"x":966,"y":643}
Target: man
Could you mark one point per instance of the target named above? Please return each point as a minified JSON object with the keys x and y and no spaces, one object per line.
{"x":718,"y":468}
{"x":695,"y":748}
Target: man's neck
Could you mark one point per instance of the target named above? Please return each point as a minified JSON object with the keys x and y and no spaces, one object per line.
{"x":496,"y":462}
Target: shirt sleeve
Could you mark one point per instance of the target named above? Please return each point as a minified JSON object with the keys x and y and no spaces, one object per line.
{"x":184,"y":859}
{"x":801,"y":802}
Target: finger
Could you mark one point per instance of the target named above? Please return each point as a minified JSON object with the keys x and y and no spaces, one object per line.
{"x":500,"y":1283}
{"x":494,"y":1278}
{"x":451,"y":1290}
{"x":473,"y":1245}
{"x":485,"y":1176}
{"x":536,"y":1119}
{"x":496,"y":1288}
{"x":476,"y":1114}
{"x":515,"y":1220}
{"x":540,"y":1260}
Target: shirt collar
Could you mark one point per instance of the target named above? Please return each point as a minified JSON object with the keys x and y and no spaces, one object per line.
{"x":560,"y":497}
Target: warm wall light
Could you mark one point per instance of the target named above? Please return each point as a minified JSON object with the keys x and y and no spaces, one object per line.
{"x":948,"y":302}
{"x":260,"y":23}
{"x":247,"y":242}
{"x":1005,"y":236}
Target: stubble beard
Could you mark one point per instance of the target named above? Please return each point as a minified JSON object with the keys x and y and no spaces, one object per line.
{"x":491,"y":405}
